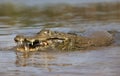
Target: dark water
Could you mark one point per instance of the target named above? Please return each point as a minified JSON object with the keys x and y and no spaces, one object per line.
{"x":102,"y":61}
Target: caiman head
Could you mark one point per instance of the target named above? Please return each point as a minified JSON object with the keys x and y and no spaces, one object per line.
{"x":41,"y":41}
{"x":31,"y":44}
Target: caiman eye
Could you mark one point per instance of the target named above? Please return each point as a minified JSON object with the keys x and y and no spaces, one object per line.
{"x":46,"y":32}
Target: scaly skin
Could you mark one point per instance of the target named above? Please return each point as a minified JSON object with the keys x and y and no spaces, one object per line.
{"x":46,"y":39}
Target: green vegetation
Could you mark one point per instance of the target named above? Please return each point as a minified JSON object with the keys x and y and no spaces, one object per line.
{"x":13,"y":14}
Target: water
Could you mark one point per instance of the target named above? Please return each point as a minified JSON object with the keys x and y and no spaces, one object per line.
{"x":101,"y":61}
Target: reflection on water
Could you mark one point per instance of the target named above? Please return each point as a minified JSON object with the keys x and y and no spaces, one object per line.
{"x":39,"y":59}
{"x":101,"y":62}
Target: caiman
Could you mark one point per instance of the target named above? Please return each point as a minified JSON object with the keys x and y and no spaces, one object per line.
{"x":47,"y":39}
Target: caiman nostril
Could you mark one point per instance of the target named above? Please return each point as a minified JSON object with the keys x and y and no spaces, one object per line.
{"x":15,"y":40}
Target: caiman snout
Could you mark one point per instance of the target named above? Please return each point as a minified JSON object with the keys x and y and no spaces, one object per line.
{"x":27,"y":44}
{"x":19,"y":39}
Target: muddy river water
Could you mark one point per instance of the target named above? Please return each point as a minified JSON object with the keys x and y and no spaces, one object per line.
{"x":102,"y":61}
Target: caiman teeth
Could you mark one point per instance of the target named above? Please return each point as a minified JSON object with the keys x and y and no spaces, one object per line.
{"x":43,"y":43}
{"x":31,"y":43}
{"x":19,"y":43}
{"x":26,"y":48}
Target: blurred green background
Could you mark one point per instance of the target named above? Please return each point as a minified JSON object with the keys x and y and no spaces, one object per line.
{"x":31,"y":15}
